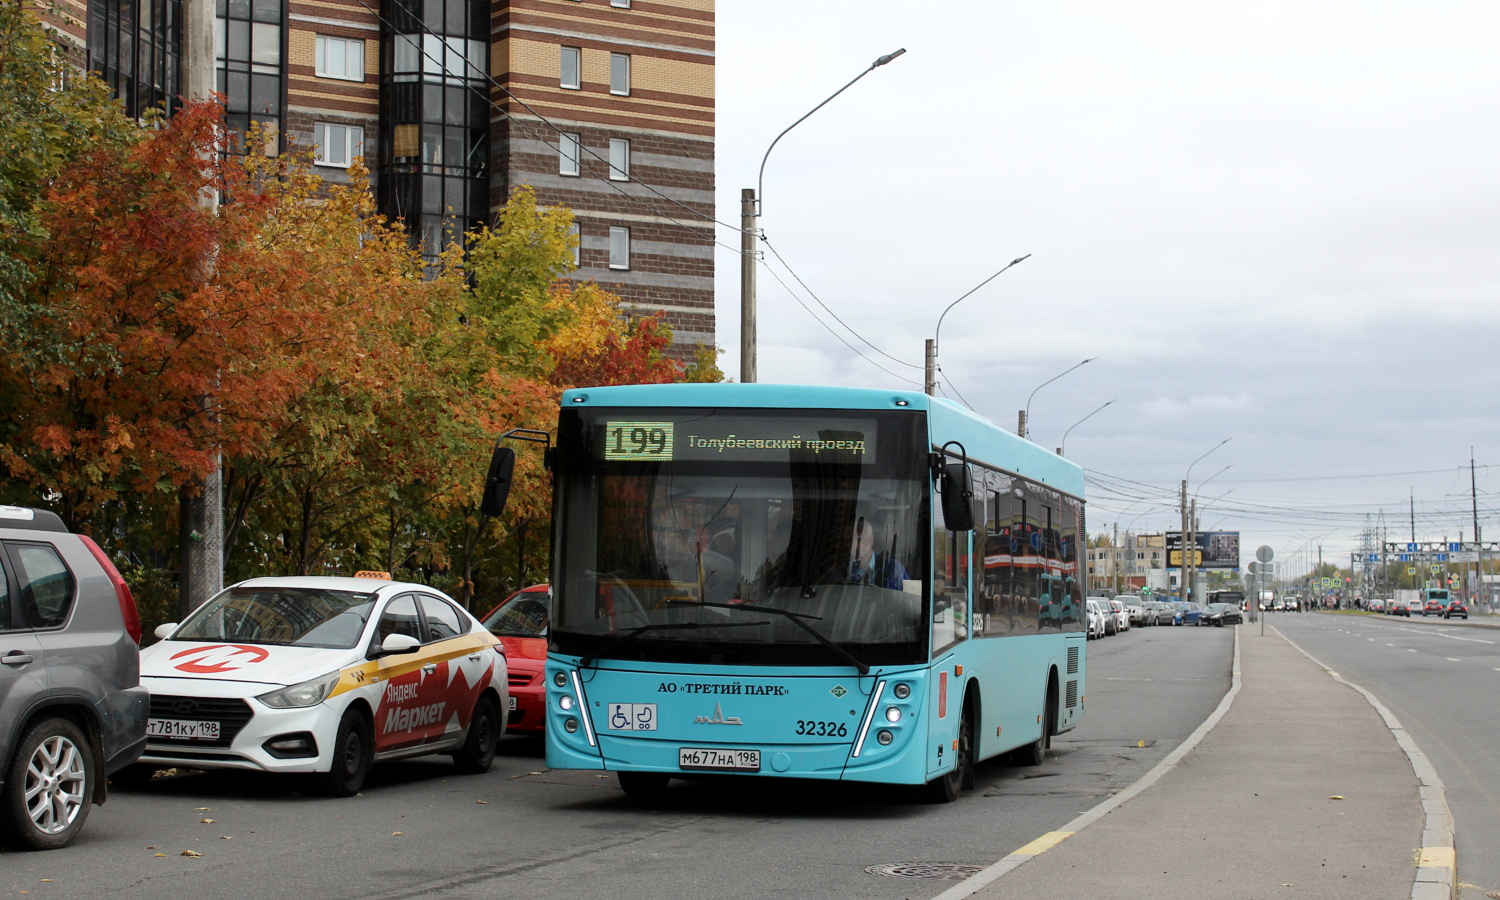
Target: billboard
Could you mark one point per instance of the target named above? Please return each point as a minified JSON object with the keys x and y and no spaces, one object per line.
{"x":1215,"y":550}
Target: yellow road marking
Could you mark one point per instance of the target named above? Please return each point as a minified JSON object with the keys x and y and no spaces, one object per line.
{"x":1436,"y":857}
{"x":1044,"y":843}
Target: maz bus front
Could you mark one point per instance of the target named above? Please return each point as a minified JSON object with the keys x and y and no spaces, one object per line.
{"x":807,"y":582}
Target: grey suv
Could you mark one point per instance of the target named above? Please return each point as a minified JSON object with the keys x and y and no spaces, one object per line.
{"x":72,"y":709}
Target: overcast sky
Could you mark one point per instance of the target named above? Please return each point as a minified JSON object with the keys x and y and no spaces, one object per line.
{"x":1275,"y":222}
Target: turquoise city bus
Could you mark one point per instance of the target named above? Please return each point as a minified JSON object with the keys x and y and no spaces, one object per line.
{"x":806,"y":582}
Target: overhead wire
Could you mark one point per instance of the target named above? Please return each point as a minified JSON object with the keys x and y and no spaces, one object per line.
{"x":841,"y":338}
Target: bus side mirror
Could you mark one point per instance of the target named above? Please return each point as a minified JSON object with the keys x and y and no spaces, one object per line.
{"x":497,"y":482}
{"x":958,"y":496}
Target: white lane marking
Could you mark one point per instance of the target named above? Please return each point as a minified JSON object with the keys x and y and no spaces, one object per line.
{"x":1451,"y":637}
{"x":1411,"y":650}
{"x":1452,"y":659}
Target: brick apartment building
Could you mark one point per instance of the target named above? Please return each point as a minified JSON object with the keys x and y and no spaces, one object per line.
{"x":604,"y":106}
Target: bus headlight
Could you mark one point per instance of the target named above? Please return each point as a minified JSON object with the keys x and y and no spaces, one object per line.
{"x":884,"y":737}
{"x":902,"y":691}
{"x":570,"y":726}
{"x":565,"y":701}
{"x":892,"y":714}
{"x":560,"y":679}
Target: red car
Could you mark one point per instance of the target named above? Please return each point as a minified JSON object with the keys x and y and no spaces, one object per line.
{"x":520,"y":622}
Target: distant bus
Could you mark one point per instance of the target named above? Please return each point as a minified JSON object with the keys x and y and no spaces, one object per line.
{"x":1235,"y":597}
{"x":825,"y":583}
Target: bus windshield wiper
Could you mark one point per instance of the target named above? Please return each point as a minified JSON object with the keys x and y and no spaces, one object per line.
{"x":629,"y":636}
{"x":796,"y":619}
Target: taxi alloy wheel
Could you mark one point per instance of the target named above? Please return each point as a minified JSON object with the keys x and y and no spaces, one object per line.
{"x":478,"y":751}
{"x":49,"y":786}
{"x":353,"y":753}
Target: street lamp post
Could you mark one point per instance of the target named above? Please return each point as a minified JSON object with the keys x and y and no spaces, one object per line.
{"x":1186,"y":591}
{"x":1064,"y":443}
{"x":750,"y":199}
{"x":931,"y":355}
{"x":1023,"y":427}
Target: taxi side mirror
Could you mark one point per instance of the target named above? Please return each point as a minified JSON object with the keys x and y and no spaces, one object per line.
{"x":165,"y":629}
{"x":398,"y":643}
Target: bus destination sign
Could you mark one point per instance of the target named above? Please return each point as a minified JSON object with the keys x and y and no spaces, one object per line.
{"x":737,"y":438}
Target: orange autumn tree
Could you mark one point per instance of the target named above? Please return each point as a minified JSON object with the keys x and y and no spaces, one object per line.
{"x":186,"y":332}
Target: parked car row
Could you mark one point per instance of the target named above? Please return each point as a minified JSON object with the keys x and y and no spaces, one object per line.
{"x":1109,"y":616}
{"x":317,"y":675}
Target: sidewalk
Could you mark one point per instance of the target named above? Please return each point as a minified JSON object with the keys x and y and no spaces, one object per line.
{"x":1249,"y":812}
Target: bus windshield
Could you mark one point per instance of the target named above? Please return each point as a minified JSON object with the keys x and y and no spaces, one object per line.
{"x":684,"y":525}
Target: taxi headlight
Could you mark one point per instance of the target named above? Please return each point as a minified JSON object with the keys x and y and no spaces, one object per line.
{"x":308,"y":693}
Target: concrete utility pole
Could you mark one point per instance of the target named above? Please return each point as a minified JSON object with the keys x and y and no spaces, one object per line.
{"x":931,"y":377}
{"x":201,"y":518}
{"x":1182,"y":541}
{"x":748,"y":231}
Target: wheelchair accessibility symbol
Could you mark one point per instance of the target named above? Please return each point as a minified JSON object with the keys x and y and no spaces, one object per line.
{"x":632,"y":717}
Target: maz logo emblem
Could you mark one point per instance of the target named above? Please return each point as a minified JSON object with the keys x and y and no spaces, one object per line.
{"x":718,"y":718}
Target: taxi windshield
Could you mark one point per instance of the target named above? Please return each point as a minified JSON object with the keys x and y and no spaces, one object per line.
{"x":296,"y":617}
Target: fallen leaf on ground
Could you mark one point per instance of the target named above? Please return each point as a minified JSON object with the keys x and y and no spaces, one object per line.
{"x":1336,"y":797}
{"x":225,"y":837}
{"x":482,"y":802}
{"x":158,"y":854}
{"x":397,"y":834}
{"x":207,"y":821}
{"x":191,"y":853}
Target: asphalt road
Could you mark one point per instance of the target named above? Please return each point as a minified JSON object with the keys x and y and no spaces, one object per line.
{"x":524,"y":831}
{"x":1440,"y":678}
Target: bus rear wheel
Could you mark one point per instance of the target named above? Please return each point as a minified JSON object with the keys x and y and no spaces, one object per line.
{"x":946,"y":788}
{"x":1034,"y":753}
{"x":647,"y":787}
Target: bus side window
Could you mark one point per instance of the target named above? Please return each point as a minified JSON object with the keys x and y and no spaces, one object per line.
{"x":951,"y":566}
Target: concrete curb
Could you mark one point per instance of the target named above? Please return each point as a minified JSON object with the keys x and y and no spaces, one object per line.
{"x":982,"y":879}
{"x":1436,"y":860}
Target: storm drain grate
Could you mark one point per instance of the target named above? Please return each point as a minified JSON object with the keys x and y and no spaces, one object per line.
{"x":938,"y":871}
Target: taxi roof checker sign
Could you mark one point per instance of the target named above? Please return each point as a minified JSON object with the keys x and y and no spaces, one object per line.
{"x":324,"y":675}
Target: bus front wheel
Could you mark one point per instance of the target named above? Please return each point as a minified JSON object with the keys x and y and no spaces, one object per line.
{"x":644,"y":786}
{"x":946,"y":788}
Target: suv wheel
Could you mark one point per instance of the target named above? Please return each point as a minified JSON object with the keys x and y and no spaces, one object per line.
{"x":48,"y":787}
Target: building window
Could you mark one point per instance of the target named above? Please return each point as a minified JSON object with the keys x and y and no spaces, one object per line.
{"x":570,"y":68}
{"x":619,"y":160}
{"x":577,"y":236}
{"x":619,"y":74}
{"x":338,"y":145}
{"x":619,"y":247}
{"x":567,"y":153}
{"x":340,"y":58}
{"x":620,"y":4}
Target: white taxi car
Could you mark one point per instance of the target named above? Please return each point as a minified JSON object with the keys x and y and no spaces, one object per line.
{"x":324,"y":675}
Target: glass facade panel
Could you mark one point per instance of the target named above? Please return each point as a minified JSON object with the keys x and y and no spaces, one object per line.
{"x":250,"y":70}
{"x":440,"y":190}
